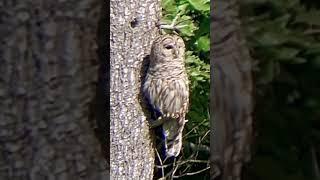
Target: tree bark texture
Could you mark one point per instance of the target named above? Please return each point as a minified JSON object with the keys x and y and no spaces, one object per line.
{"x":48,"y":73}
{"x":133,"y":29}
{"x":231,"y":93}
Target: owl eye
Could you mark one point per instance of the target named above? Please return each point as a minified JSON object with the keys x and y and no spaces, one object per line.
{"x":168,"y":46}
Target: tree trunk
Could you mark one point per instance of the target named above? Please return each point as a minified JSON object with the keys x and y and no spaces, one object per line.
{"x":133,"y":28}
{"x":231,"y":93}
{"x":48,"y":73}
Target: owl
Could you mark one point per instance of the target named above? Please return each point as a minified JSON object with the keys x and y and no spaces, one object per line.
{"x":166,"y":89}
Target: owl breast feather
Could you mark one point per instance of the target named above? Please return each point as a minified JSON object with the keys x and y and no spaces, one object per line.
{"x":166,"y":95}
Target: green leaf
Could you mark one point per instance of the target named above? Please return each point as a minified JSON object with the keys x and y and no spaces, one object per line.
{"x":199,"y":78}
{"x":286,"y":53}
{"x":282,"y":21}
{"x":169,"y":6}
{"x":183,"y":7}
{"x":313,"y":50}
{"x":189,"y":26}
{"x":203,"y":43}
{"x":204,"y":25}
{"x":311,"y":103}
{"x":266,"y":73}
{"x":271,"y":39}
{"x":298,"y":60}
{"x":298,"y":40}
{"x":194,"y":73}
{"x":316,"y":61}
{"x":310,"y":18}
{"x":200,"y":5}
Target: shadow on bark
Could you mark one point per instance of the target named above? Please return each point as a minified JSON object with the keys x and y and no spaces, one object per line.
{"x":100,"y":107}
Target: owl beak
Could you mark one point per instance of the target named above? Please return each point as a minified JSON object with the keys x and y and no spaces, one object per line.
{"x":176,"y":53}
{"x":173,"y":47}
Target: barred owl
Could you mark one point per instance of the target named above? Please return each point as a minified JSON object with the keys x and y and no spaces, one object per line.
{"x":166,"y":89}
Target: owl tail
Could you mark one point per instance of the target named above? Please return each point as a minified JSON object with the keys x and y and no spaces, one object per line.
{"x":172,"y":133}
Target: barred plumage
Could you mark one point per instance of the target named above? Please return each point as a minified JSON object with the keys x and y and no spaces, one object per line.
{"x":166,"y":88}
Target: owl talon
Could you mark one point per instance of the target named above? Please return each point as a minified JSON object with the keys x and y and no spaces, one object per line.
{"x":161,"y":119}
{"x":157,"y":122}
{"x":176,"y":115}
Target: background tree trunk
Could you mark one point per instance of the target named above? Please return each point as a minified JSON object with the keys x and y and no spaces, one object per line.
{"x":231,"y":92}
{"x":133,"y":28}
{"x":48,"y":73}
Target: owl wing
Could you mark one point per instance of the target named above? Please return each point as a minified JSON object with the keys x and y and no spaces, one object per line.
{"x":170,"y":97}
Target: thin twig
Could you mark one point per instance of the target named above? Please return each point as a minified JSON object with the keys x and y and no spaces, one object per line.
{"x":312,"y":31}
{"x":170,"y":27}
{"x":193,"y":173}
{"x":195,"y":127}
{"x":193,"y":161}
{"x":163,"y":166}
{"x":173,"y":26}
{"x":204,"y":135}
{"x":314,"y":162}
{"x":184,"y":162}
{"x":175,"y":168}
{"x":162,"y":169}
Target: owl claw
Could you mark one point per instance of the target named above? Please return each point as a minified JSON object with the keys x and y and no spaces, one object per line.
{"x":162,"y":119}
{"x":157,"y":122}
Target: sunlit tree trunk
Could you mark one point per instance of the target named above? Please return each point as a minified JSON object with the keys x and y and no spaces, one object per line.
{"x":132,"y":28}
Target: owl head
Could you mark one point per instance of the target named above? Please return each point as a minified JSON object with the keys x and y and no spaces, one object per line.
{"x":168,"y":48}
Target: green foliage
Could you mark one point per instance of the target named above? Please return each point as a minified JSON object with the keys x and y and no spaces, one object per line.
{"x":283,"y":36}
{"x":193,"y":20}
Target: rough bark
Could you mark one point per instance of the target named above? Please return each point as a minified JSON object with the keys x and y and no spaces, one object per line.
{"x":132,"y":30}
{"x":48,"y":73}
{"x":231,"y":93}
